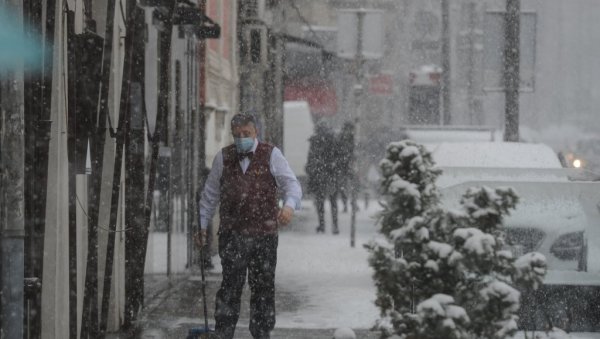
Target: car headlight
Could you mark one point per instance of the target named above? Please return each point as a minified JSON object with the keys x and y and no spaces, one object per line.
{"x":568,"y":246}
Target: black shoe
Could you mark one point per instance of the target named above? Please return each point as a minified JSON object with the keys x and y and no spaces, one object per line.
{"x":336,"y":231}
{"x":223,"y":334}
{"x":320,"y":229}
{"x":262,"y":336}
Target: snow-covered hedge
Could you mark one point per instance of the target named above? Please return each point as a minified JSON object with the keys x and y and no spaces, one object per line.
{"x":445,"y":273}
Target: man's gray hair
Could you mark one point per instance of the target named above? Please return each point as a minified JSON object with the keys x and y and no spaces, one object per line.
{"x":242,"y":119}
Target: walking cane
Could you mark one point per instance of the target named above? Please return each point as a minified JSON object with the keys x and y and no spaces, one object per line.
{"x":201,"y":332}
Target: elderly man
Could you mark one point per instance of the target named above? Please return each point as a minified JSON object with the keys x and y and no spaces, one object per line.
{"x":245,"y":180}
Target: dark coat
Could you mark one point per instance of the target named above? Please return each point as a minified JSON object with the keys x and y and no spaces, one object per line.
{"x":344,"y":153}
{"x":320,"y":165}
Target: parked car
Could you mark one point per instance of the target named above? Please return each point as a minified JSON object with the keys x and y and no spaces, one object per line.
{"x":558,"y":215}
{"x":297,"y":128}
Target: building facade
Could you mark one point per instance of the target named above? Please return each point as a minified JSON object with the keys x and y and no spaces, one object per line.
{"x":557,"y":72}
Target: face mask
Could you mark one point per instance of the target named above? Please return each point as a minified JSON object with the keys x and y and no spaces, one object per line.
{"x":243,"y":144}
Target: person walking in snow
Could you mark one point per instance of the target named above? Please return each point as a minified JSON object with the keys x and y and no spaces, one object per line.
{"x":321,"y":172}
{"x":244,"y":179}
{"x":344,"y":162}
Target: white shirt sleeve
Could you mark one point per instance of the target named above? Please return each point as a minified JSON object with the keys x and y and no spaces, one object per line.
{"x":286,"y":179}
{"x":211,"y":193}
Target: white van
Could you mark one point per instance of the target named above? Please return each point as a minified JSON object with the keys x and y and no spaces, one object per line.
{"x":297,"y":129}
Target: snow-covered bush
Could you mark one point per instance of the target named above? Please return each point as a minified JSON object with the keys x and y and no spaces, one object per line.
{"x":445,"y":273}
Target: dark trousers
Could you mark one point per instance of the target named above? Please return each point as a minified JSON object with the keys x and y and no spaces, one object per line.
{"x":255,"y":256}
{"x":320,"y":204}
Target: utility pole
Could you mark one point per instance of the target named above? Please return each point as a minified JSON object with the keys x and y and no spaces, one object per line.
{"x":512,"y":30}
{"x":446,"y":103}
{"x":12,"y":172}
{"x":358,"y":93}
{"x":352,"y":46}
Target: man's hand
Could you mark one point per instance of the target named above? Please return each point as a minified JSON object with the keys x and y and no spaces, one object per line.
{"x":285,"y":215}
{"x":200,"y":238}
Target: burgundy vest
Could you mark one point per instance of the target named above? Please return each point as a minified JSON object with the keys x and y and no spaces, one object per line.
{"x":248,"y":200}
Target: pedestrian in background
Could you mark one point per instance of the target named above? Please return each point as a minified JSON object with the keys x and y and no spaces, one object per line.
{"x":344,"y":162}
{"x":244,"y":180}
{"x":321,"y":172}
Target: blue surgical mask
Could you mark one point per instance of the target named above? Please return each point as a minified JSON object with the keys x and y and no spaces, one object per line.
{"x":243,"y":145}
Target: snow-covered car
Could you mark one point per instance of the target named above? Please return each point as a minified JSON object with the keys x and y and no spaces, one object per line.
{"x":558,"y":215}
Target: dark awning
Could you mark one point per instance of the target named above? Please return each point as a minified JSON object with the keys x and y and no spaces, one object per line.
{"x":203,"y":26}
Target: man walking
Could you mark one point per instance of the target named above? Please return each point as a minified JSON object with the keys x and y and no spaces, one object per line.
{"x":245,"y":179}
{"x":320,"y":168}
{"x":344,"y":162}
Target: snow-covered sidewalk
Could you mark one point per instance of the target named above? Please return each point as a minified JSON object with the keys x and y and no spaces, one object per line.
{"x":333,"y":278}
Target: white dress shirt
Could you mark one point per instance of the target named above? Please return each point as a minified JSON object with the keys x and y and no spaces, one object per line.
{"x":280,"y":169}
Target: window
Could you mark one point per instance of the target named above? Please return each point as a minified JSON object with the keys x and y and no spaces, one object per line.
{"x":494,"y":51}
{"x":255,"y":46}
{"x":219,"y":125}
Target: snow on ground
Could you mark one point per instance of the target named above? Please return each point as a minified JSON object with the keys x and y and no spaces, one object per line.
{"x":334,"y":277}
{"x":156,"y":255}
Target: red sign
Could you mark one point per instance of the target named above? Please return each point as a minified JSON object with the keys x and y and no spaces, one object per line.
{"x":320,"y":95}
{"x":381,"y":84}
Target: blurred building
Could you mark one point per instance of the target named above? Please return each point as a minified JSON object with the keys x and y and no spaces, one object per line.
{"x":556,"y":64}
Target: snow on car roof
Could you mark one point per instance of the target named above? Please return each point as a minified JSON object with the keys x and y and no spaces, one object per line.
{"x":423,"y":135}
{"x":493,"y":154}
{"x":552,"y":206}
